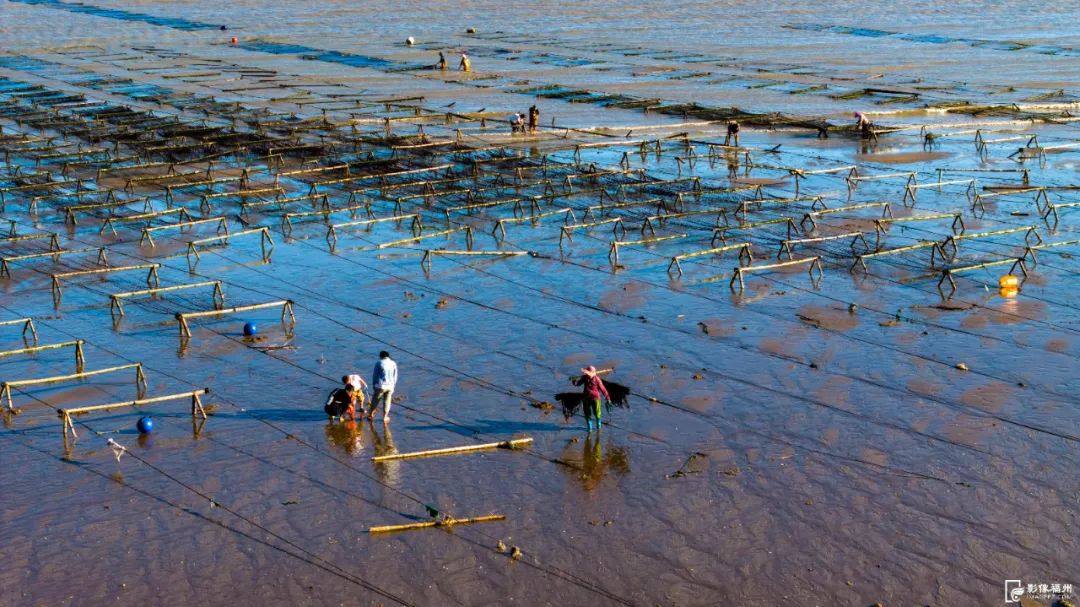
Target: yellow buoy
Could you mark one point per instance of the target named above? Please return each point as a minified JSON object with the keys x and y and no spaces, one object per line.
{"x":1009,"y":282}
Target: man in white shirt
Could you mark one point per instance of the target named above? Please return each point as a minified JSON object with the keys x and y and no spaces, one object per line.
{"x":383,"y":380}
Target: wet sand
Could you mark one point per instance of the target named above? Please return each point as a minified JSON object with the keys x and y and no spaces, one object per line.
{"x":856,"y":439}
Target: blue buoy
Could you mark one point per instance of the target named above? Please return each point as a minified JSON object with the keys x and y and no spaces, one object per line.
{"x":145,"y":424}
{"x":250,"y":329}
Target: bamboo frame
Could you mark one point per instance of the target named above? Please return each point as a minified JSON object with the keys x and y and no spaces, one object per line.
{"x":499,"y":231}
{"x":5,"y":387}
{"x":416,"y":226}
{"x":425,"y":261}
{"x":77,"y":345}
{"x":506,"y":444}
{"x":911,"y":188}
{"x":812,"y":216}
{"x":286,"y":311}
{"x":194,"y":395}
{"x":447,"y":522}
{"x":69,"y":211}
{"x":613,"y":251}
{"x":647,"y":224}
{"x":564,"y":231}
{"x":192,"y":245}
{"x":109,"y":222}
{"x":281,"y":202}
{"x":116,"y":308}
{"x":745,"y":251}
{"x":54,"y":238}
{"x":815,"y":262}
{"x":1028,"y":231}
{"x":466,"y":229}
{"x":5,"y":270}
{"x":785,"y":245}
{"x":27,"y":323}
{"x":948,"y":273}
{"x":204,"y":200}
{"x":151,"y":277}
{"x":860,"y":260}
{"x":1030,"y":250}
{"x":721,"y":232}
{"x":223,"y":224}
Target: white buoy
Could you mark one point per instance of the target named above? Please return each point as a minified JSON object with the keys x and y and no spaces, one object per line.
{"x":410,"y":41}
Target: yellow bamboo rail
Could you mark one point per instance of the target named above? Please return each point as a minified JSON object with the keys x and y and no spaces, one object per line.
{"x":204,"y":200}
{"x":786,"y":245}
{"x":613,"y":251}
{"x":499,"y":231}
{"x":618,"y":230}
{"x":1030,"y":250}
{"x":447,"y":522}
{"x":416,"y":226}
{"x":77,"y":345}
{"x":948,"y":273}
{"x":5,"y":270}
{"x":27,"y":323}
{"x":466,"y":229}
{"x":192,"y":247}
{"x":110,"y":222}
{"x":194,"y":395}
{"x":506,"y":444}
{"x":151,"y":277}
{"x":117,"y":308}
{"x":54,"y":238}
{"x":814,"y":262}
{"x":319,"y":200}
{"x":1028,"y":232}
{"x":860,"y":260}
{"x":381,"y":176}
{"x":745,"y":251}
{"x":69,"y":211}
{"x":812,"y":216}
{"x":286,"y":311}
{"x":425,"y":261}
{"x":721,"y":232}
{"x":5,"y":387}
{"x":223,"y":225}
{"x":324,"y":212}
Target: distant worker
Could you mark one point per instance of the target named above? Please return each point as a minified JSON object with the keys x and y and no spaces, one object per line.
{"x":866,"y":128}
{"x":593,"y":388}
{"x":732,"y":133}
{"x":534,"y":118}
{"x":465,"y":65}
{"x":442,"y":62}
{"x":517,"y":124}
{"x":383,"y":381}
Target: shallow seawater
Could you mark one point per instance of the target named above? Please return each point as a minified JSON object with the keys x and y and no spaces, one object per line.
{"x":852,"y":438}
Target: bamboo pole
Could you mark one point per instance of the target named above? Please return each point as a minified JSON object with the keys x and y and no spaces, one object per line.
{"x":499,"y":231}
{"x":69,"y":211}
{"x":613,"y":251}
{"x":5,"y":387}
{"x":5,"y":270}
{"x":417,"y":226}
{"x":618,"y":229}
{"x":286,"y":310}
{"x":722,"y":231}
{"x":745,"y":250}
{"x":786,"y":245}
{"x":812,"y":216}
{"x":815,"y":262}
{"x":425,"y":261}
{"x":466,"y":229}
{"x":109,"y":222}
{"x":222,"y":221}
{"x":860,"y":260}
{"x":77,"y":345}
{"x":506,"y":444}
{"x":448,"y":522}
{"x":27,"y":323}
{"x":194,"y":395}
{"x":1046,"y":245}
{"x":192,"y":248}
{"x":151,"y":277}
{"x":115,"y":305}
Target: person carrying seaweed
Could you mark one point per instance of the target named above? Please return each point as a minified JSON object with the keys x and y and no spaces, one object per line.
{"x":732,"y":133}
{"x":441,"y":65}
{"x":593,"y":388}
{"x":466,"y":64}
{"x":534,"y":118}
{"x":866,"y":128}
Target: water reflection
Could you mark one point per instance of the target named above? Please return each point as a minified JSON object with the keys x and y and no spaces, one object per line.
{"x":593,"y":460}
{"x":347,"y":435}
{"x":389,"y":472}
